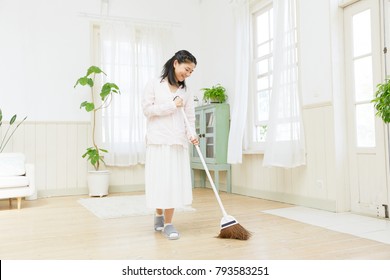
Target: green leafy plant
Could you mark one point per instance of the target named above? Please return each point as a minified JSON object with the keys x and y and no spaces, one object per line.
{"x":94,"y":154}
{"x":215,"y":94}
{"x":382,"y":101}
{"x":9,"y":131}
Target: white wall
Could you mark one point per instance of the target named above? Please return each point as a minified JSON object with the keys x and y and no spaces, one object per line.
{"x":315,"y":51}
{"x":45,"y":47}
{"x":217,"y":45}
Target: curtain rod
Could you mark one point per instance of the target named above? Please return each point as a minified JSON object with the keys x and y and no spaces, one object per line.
{"x":130,"y":20}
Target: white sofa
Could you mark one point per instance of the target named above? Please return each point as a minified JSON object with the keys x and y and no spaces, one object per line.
{"x":17,"y":178}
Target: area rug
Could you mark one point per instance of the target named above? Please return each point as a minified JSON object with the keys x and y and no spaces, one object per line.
{"x":112,"y":207}
{"x":358,"y":225}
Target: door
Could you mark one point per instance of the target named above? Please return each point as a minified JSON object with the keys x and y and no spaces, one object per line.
{"x":366,"y":133}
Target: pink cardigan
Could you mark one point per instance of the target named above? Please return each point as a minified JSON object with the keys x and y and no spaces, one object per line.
{"x":165,"y":123}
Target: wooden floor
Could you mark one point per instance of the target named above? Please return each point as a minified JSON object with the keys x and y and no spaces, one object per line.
{"x":60,"y":228}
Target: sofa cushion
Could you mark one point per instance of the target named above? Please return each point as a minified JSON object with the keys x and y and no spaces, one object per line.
{"x":12,"y":164}
{"x":13,"y":181}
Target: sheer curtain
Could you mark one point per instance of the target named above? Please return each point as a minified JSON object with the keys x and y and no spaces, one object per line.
{"x":130,"y":56}
{"x":239,"y":104}
{"x":285,"y":141}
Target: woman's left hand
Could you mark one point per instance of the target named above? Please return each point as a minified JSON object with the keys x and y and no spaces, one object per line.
{"x":194,"y":141}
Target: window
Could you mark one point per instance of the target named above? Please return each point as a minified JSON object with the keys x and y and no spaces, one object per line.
{"x":262,"y":74}
{"x":262,"y":26}
{"x":261,"y":77}
{"x":130,"y":55}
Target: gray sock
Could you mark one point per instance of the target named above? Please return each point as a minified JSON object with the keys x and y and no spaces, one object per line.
{"x":158,"y":222}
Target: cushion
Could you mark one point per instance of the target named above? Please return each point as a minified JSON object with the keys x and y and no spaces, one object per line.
{"x":13,"y":181}
{"x":12,"y":164}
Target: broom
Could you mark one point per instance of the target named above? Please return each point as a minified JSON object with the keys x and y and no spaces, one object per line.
{"x":230,"y":228}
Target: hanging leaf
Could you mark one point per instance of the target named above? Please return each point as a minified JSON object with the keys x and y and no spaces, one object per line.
{"x":13,"y":119}
{"x":88,"y":106}
{"x":9,"y":132}
{"x":382,"y":101}
{"x":107,"y":89}
{"x":94,"y":70}
{"x":84,"y":81}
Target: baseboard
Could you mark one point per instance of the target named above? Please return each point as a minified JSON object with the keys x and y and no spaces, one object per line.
{"x":222,"y":186}
{"x":127,"y":188}
{"x":311,"y":202}
{"x":84,"y":191}
{"x":61,"y":192}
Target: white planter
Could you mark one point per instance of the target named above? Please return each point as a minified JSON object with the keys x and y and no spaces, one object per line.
{"x":98,"y":182}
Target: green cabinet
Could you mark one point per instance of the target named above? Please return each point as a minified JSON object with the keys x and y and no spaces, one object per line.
{"x":212,"y":127}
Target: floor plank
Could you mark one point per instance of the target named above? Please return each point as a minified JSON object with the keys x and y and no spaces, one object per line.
{"x":60,"y":228}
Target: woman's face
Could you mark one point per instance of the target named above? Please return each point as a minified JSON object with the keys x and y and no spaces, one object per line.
{"x":183,"y":70}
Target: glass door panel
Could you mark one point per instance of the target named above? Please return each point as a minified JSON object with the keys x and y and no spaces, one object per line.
{"x":363,"y":79}
{"x":365,"y":125}
{"x":198,"y":133}
{"x":197,"y":124}
{"x":361,"y":24}
{"x":210,"y":122}
{"x":210,"y":133}
{"x":210,"y":150}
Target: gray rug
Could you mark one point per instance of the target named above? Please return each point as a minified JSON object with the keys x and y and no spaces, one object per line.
{"x":112,"y":207}
{"x":358,"y":225}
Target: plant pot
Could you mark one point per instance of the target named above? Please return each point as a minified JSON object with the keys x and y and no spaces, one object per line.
{"x":98,"y":182}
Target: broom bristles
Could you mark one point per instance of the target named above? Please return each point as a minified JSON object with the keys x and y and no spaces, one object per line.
{"x":235,"y":231}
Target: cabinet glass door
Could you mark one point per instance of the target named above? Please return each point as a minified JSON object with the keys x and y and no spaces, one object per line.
{"x":209,"y":135}
{"x":198,"y":133}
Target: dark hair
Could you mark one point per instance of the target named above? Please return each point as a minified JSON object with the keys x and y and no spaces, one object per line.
{"x":168,"y":71}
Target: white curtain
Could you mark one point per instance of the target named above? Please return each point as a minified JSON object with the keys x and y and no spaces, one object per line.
{"x":285,"y":141}
{"x":240,"y":103}
{"x":130,"y":56}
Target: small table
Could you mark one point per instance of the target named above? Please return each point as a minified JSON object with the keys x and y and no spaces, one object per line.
{"x":212,"y":167}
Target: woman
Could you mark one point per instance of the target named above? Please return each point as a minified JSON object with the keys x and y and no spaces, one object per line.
{"x":167,"y":166}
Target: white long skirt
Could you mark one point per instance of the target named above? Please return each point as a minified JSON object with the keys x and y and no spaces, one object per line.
{"x":167,"y":177}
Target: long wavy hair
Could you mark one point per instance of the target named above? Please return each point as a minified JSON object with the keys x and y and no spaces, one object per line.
{"x":168,"y":71}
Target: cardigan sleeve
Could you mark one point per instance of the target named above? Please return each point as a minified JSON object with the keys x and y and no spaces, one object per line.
{"x":151,"y":107}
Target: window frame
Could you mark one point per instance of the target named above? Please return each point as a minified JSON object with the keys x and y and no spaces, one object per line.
{"x":256,"y":7}
{"x":254,"y":147}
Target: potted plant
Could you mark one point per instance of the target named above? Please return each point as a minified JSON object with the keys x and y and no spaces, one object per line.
{"x":9,"y":131}
{"x":382,"y":101}
{"x":215,"y":94}
{"x":98,"y":180}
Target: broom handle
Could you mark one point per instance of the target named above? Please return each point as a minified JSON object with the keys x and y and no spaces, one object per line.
{"x":204,"y":165}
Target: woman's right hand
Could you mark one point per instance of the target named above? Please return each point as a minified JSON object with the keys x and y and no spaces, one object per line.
{"x":194,"y":140}
{"x":178,"y":101}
